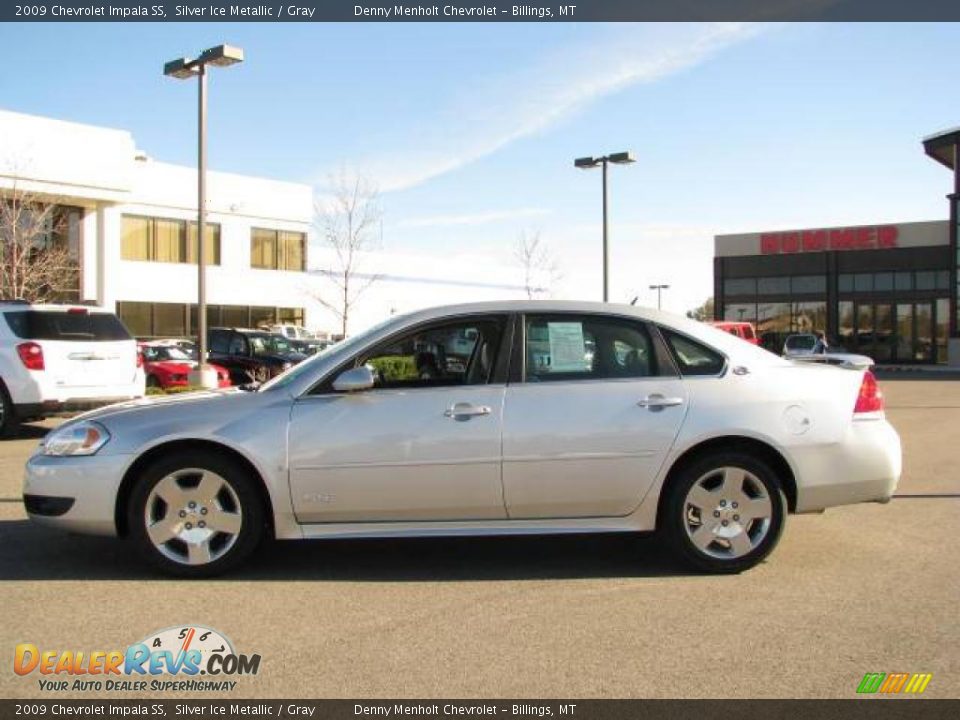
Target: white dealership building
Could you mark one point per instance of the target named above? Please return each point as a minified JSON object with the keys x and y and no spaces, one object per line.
{"x":129,"y":222}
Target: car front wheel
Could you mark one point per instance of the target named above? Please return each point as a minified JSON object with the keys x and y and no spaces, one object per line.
{"x":724,"y":513}
{"x":195,"y":514}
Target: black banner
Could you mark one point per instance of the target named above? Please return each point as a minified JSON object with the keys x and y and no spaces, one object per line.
{"x":860,"y":709}
{"x":479,"y":11}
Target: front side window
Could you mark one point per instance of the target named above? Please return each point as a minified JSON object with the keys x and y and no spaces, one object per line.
{"x":459,"y":353}
{"x":571,"y":347}
{"x":693,"y":358}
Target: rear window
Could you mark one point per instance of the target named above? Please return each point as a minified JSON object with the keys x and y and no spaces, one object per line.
{"x":68,"y":326}
{"x":801,"y":342}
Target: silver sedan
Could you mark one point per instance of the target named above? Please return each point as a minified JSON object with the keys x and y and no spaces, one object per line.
{"x":493,"y":418}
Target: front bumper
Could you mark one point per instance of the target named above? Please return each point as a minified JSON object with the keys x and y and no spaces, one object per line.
{"x":91,"y":482}
{"x":864,"y":467}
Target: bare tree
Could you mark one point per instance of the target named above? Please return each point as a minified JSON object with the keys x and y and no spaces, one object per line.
{"x":34,"y":266}
{"x":540,"y":268}
{"x":348,"y":223}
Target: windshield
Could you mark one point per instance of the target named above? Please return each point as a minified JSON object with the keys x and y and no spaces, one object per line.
{"x":165,"y":353}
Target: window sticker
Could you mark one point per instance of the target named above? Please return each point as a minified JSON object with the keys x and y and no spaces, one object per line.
{"x":567,"y":348}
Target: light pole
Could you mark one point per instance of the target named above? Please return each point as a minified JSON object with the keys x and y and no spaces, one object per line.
{"x":182,"y":69}
{"x":586,"y":163}
{"x":659,"y":289}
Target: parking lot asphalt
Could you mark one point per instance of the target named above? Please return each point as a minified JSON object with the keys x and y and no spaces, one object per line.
{"x":869,"y":588}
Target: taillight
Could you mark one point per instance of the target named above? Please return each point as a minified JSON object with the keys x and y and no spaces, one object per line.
{"x":31,"y":355}
{"x":870,"y":399}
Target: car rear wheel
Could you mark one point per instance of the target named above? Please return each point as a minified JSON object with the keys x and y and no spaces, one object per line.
{"x":724,"y":513}
{"x":196,"y":514}
{"x":152,"y":381}
{"x":9,"y":422}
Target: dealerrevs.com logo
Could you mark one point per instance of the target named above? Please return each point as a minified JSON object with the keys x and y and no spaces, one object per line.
{"x":190,"y":658}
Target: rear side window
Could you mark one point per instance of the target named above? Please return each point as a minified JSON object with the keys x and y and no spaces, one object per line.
{"x":574,"y":347}
{"x":693,"y":358}
{"x":66,"y":326}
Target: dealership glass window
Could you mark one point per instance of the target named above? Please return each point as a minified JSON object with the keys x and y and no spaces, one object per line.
{"x":773,"y":286}
{"x":904,"y":346}
{"x":235,"y":316}
{"x":277,"y":249}
{"x":137,"y":316}
{"x":773,"y":324}
{"x":943,"y":279}
{"x":740,"y":286}
{"x":809,"y":317}
{"x":883,"y":333}
{"x":883,"y":282}
{"x":903,"y":280}
{"x":943,"y":328}
{"x":742,"y":312}
{"x":863,"y":282}
{"x":808,"y":284}
{"x":290,"y":316}
{"x":926,"y":280}
{"x":262,"y":316}
{"x":845,"y":322}
{"x":166,"y":240}
{"x":845,"y":282}
{"x":169,"y":319}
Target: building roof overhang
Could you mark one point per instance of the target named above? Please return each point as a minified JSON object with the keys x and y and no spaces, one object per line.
{"x":940,"y":146}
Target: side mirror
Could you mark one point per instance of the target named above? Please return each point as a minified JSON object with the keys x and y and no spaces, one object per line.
{"x":358,"y":378}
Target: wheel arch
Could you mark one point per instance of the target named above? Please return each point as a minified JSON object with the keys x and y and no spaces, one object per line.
{"x":184,"y":445}
{"x":733,"y":443}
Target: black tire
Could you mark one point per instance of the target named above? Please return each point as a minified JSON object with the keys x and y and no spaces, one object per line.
{"x":9,"y":422}
{"x":152,"y":381}
{"x":679,"y":516}
{"x":242,"y":493}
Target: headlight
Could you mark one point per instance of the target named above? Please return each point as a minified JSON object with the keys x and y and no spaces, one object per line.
{"x":83,"y":438}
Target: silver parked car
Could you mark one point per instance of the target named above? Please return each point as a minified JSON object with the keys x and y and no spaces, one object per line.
{"x":558,"y":418}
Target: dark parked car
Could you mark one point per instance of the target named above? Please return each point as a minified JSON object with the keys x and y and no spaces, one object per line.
{"x":250,"y":355}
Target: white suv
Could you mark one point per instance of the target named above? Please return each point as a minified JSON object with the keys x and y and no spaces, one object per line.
{"x":56,"y":359}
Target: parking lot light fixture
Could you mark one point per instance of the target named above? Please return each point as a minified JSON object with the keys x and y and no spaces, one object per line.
{"x":659,"y":289}
{"x":586,"y":163}
{"x":184,"y":68}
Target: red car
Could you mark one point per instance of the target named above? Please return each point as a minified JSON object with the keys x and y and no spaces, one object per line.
{"x":167,"y":365}
{"x":742,"y":330}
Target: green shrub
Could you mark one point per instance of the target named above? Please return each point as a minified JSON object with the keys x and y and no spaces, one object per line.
{"x":395,"y":367}
{"x":173,"y":390}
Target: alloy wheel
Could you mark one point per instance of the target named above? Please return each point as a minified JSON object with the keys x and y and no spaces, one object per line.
{"x":193,"y":516}
{"x":727,"y":513}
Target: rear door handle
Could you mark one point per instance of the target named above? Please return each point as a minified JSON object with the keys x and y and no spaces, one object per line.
{"x":466,"y":410}
{"x":659,"y":401}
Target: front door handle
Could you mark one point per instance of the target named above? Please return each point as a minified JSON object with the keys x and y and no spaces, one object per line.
{"x":466,"y":410}
{"x":659,"y":401}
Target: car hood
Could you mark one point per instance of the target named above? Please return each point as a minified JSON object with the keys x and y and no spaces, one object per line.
{"x":180,"y":402}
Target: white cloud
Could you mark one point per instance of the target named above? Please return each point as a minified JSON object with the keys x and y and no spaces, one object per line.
{"x":493,"y":113}
{"x":482,"y":218}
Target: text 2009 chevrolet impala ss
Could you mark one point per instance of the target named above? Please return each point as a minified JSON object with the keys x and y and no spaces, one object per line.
{"x":493,"y":418}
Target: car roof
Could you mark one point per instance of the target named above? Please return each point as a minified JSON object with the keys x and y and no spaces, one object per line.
{"x":19,"y":305}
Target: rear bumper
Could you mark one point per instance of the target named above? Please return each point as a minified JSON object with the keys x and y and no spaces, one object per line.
{"x":864,"y":467}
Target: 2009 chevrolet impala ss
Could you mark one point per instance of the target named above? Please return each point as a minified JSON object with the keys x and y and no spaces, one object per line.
{"x":492,"y":418}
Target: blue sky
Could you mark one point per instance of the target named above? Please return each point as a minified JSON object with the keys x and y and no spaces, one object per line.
{"x":471,"y":129}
